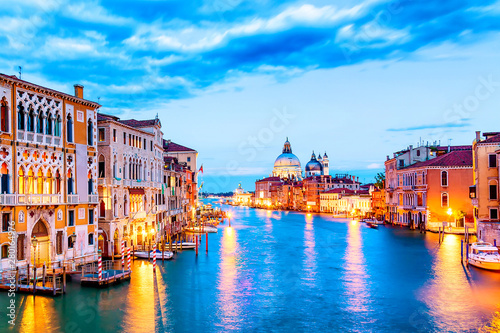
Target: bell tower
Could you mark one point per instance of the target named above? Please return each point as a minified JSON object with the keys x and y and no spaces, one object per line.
{"x":326,"y":167}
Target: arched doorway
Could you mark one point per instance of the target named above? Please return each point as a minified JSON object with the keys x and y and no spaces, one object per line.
{"x":102,"y":241}
{"x":40,"y":244}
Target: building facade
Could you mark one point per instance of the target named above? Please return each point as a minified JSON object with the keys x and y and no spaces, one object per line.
{"x":48,"y":160}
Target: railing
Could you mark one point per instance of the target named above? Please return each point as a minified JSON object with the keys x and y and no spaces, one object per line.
{"x":73,"y":198}
{"x":38,"y":138}
{"x":127,"y":182}
{"x":117,"y":182}
{"x":39,"y":199}
{"x":8,"y":199}
{"x":93,"y":198}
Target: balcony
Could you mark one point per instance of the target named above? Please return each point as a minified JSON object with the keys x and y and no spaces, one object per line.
{"x":8,"y":199}
{"x":117,"y":182}
{"x":73,"y":198}
{"x":93,"y":198}
{"x":39,"y":199}
{"x":39,"y":138}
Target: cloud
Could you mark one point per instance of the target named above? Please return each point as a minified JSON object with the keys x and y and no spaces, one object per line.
{"x":430,"y":126}
{"x":374,"y":166}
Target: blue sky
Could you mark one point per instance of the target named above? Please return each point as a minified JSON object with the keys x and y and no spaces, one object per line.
{"x":233,"y":79}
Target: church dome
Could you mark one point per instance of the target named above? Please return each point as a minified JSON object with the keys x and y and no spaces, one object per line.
{"x":287,"y":165}
{"x":287,"y":160}
{"x":313,"y":164}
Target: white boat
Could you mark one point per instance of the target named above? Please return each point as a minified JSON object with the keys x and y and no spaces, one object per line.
{"x":185,"y":245}
{"x":144,"y":255}
{"x":484,"y":255}
{"x":201,"y":229}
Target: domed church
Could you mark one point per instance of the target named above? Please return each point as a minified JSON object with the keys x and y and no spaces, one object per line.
{"x":287,"y":165}
{"x":317,"y":167}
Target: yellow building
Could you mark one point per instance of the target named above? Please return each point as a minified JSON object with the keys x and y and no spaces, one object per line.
{"x":484,"y":192}
{"x":49,"y":169}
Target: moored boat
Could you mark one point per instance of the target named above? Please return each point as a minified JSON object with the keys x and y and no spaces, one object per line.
{"x":144,"y":254}
{"x":484,"y":255}
{"x":185,"y":245}
{"x":201,"y":229}
{"x":372,"y":225}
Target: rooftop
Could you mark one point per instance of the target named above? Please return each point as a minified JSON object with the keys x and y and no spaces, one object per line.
{"x":455,"y":158}
{"x":170,"y":146}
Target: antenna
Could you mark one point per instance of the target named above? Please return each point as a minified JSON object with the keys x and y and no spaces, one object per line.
{"x":20,"y":72}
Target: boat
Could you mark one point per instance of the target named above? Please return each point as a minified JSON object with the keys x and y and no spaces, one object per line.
{"x":201,"y":229}
{"x":372,"y":225}
{"x":185,"y":245}
{"x":484,"y":255}
{"x":373,"y":221}
{"x":144,"y":255}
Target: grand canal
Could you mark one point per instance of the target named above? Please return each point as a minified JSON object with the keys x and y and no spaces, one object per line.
{"x":285,"y":271}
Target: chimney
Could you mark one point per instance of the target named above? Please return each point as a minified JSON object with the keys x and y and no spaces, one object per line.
{"x":78,"y":91}
{"x":409,"y":155}
{"x":478,"y":136}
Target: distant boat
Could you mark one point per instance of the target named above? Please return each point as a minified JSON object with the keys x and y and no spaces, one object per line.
{"x":484,"y":255}
{"x":201,"y":229}
{"x":373,"y":221}
{"x":185,"y":245}
{"x":144,"y":254}
{"x":372,"y":225}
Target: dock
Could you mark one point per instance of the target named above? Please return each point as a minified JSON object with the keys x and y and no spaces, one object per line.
{"x":109,"y":275}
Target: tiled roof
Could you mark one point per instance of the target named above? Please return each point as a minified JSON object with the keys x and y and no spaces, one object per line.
{"x":139,"y":123}
{"x":454,"y":159}
{"x":104,"y":117}
{"x":173,"y":147}
{"x":454,"y":148}
{"x":340,"y":190}
{"x":269,"y":179}
{"x":493,"y":139}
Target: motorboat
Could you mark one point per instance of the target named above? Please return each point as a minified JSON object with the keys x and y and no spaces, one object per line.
{"x":185,"y":245}
{"x":373,"y":221}
{"x":201,"y":229}
{"x":484,"y":255}
{"x":144,"y":254}
{"x":372,"y":225}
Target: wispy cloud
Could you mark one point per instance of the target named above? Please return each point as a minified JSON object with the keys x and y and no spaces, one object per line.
{"x":430,"y":126}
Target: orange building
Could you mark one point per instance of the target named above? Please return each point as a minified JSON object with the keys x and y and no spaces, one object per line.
{"x":48,"y":160}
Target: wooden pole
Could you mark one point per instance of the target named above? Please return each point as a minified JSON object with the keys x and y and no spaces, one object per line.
{"x":34,"y":279}
{"x":133,"y":252}
{"x":162,"y":250}
{"x":44,"y":272}
{"x":28,"y":275}
{"x":206,"y":242}
{"x":17,"y":278}
{"x":467,"y":254}
{"x":54,"y":281}
{"x":462,"y":250}
{"x":64,"y":279}
{"x":196,"y":245}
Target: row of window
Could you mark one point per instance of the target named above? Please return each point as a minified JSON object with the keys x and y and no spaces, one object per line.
{"x":133,"y":140}
{"x":6,"y":218}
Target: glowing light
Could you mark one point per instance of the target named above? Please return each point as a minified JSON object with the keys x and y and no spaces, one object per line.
{"x":152,"y":231}
{"x":353,"y":222}
{"x":450,"y":211}
{"x":229,"y":231}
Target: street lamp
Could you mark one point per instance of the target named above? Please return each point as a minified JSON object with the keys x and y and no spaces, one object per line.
{"x":34,"y":242}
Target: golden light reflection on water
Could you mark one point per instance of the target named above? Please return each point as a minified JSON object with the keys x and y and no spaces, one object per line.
{"x":140,"y":306}
{"x":356,"y":293}
{"x":309,"y":251}
{"x":37,"y":314}
{"x":228,"y":279}
{"x":458,"y":298}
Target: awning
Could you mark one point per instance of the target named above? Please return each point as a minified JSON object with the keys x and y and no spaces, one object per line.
{"x":136,"y":191}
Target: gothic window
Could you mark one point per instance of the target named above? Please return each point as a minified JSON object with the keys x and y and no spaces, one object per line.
{"x":20,"y":117}
{"x":5,"y":179}
{"x":20,"y":246}
{"x":20,"y":181}
{"x":91,"y":239}
{"x":115,"y":210}
{"x":114,"y":167}
{"x":58,"y":182}
{"x":125,"y":206}
{"x":70,"y":182}
{"x":102,"y":209}
{"x":39,"y":181}
{"x":91,"y":216}
{"x":48,"y":183}
{"x":59,"y":242}
{"x":70,"y":242}
{"x":444,"y":200}
{"x":39,"y":124}
{"x":31,"y":119}
{"x":69,"y":129}
{"x":4,"y":115}
{"x":91,"y":183}
{"x":90,"y":133}
{"x":102,"y":165}
{"x":57,"y":126}
{"x":31,"y":181}
{"x":49,"y":127}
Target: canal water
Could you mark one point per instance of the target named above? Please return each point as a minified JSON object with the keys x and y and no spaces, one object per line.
{"x":281,"y":272}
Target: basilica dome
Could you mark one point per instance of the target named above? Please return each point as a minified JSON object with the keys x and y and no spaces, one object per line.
{"x":314,"y":167}
{"x":287,"y":165}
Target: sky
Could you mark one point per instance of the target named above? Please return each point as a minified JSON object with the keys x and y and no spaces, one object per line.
{"x":233,"y":79}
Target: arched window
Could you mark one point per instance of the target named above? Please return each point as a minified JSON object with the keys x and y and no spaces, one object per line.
{"x":125,"y":206}
{"x":39,"y":181}
{"x":31,"y":119}
{"x":5,"y":179}
{"x":4,"y":116}
{"x":48,"y":183}
{"x":69,"y":129}
{"x":70,"y":182}
{"x":102,"y":166}
{"x":20,"y":117}
{"x":57,"y":126}
{"x":70,"y":242}
{"x":5,"y":251}
{"x":444,"y":178}
{"x":20,"y":181}
{"x":102,"y":209}
{"x":91,"y":183}
{"x":90,"y":133}
{"x":49,"y":127}
{"x":115,"y":204}
{"x":91,"y":239}
{"x":444,"y":200}
{"x":31,"y":181}
{"x":114,"y":167}
{"x":39,"y":124}
{"x":58,"y":182}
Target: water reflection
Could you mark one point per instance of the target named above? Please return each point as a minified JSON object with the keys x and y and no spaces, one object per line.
{"x":228,"y":280}
{"x":139,"y":310}
{"x":36,"y":314}
{"x":309,"y":252}
{"x":355,"y":278}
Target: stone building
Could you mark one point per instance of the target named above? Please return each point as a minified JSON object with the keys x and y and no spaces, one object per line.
{"x":48,"y":161}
